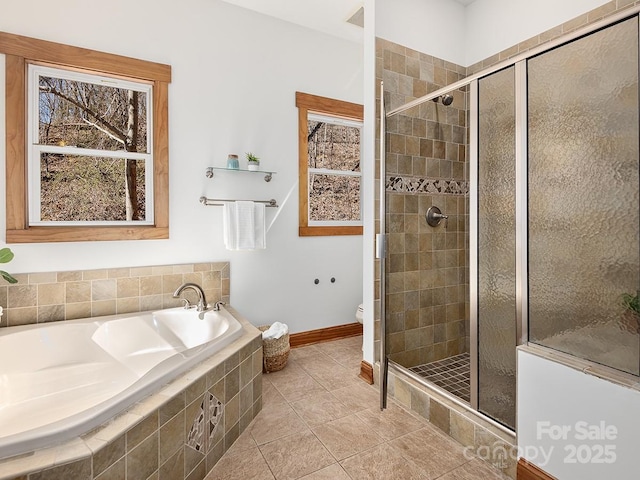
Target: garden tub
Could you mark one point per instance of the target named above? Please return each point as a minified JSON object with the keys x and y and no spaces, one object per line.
{"x":60,"y":380}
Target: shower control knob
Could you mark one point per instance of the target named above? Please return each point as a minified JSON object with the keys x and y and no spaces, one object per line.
{"x":434,"y":216}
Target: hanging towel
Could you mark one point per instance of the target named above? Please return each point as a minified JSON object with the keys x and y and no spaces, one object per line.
{"x":228,"y":225}
{"x":244,"y":225}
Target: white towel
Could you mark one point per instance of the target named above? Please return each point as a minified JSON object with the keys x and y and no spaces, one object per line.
{"x":245,"y":229}
{"x":244,"y":225}
{"x":276,"y":330}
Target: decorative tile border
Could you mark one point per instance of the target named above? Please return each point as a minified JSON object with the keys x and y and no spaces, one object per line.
{"x":431,"y":186}
{"x":207,"y":419}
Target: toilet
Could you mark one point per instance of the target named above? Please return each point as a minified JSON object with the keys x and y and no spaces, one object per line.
{"x":359,"y":313}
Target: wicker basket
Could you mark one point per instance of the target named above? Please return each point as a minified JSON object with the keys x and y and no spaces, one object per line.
{"x":275,"y":352}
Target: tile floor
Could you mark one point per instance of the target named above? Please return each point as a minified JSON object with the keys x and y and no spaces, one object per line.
{"x":320,"y":421}
{"x":452,"y":374}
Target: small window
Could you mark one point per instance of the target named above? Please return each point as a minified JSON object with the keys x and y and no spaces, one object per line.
{"x":89,"y":149}
{"x":329,"y":164}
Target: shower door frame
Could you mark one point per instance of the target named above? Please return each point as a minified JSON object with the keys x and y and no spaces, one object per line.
{"x":521,"y":208}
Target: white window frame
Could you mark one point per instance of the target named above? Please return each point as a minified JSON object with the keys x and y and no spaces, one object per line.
{"x":35,"y":71}
{"x":315,"y":117}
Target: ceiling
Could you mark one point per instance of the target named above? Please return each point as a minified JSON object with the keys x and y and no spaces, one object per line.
{"x":328,"y":16}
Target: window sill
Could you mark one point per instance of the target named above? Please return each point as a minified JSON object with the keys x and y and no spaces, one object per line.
{"x":85,"y":234}
{"x":329,"y":231}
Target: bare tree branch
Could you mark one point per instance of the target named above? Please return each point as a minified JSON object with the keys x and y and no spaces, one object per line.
{"x":103,"y":130}
{"x":120,"y":135}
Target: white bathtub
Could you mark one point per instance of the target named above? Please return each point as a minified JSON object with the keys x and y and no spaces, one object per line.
{"x":62,"y":379}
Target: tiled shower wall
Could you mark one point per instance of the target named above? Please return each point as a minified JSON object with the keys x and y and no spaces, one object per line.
{"x":54,"y":296}
{"x":426,"y":165}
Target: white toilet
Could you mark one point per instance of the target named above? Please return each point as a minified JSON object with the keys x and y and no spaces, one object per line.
{"x":359,"y":313}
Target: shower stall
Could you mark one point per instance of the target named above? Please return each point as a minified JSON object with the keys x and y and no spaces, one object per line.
{"x":509,"y":214}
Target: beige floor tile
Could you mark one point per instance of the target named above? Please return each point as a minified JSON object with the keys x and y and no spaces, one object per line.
{"x":390,"y":423}
{"x":337,"y":378}
{"x":296,"y":455}
{"x":271,"y":395}
{"x":432,"y":451}
{"x":316,"y":411}
{"x":304,"y":352}
{"x":276,"y":422}
{"x":346,"y":436}
{"x":321,"y":408}
{"x":241,"y":465}
{"x":332,"y":472}
{"x":360,"y":396}
{"x":319,"y":363}
{"x":381,"y":463}
{"x":473,"y":470}
{"x":298,"y":387}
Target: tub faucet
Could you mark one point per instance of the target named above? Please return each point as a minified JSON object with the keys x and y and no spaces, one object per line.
{"x":202,"y":301}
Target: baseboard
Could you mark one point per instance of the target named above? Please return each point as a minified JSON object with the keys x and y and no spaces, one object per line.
{"x":366,"y":372}
{"x":325,"y":334}
{"x":528,"y":471}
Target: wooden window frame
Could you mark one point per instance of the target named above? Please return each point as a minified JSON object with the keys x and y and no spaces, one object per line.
{"x":306,"y":104}
{"x":18,"y":51}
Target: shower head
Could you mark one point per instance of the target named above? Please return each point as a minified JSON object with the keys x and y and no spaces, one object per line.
{"x":446,"y":99}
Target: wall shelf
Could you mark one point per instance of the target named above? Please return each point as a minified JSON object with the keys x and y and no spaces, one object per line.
{"x":267,"y":174}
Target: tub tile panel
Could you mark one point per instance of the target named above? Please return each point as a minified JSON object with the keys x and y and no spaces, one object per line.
{"x":80,"y":470}
{"x":114,"y":472}
{"x":142,"y":461}
{"x":173,"y":468}
{"x":142,"y":430}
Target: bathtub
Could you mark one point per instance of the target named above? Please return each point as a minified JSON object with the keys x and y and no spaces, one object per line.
{"x":62,"y":379}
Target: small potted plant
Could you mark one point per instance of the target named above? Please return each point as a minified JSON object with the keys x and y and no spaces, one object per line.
{"x":253,"y":162}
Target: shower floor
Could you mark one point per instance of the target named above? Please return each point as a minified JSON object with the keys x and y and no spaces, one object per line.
{"x":452,"y":374}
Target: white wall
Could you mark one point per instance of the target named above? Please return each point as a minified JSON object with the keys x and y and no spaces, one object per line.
{"x":235,"y":73}
{"x":466,"y":35}
{"x":370,"y":185}
{"x":436,"y":27}
{"x":495,"y":25}
{"x":552,"y":396}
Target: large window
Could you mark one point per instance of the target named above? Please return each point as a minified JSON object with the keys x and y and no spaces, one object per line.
{"x":90,"y":141}
{"x":329,"y":166}
{"x":87,"y":152}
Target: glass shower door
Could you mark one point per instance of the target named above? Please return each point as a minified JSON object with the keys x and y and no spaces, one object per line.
{"x":496,"y":276}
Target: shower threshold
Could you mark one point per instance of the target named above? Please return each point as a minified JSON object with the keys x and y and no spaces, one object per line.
{"x":453,"y":374}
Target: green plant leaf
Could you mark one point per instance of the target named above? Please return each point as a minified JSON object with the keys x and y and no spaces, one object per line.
{"x":6,"y":255}
{"x":631,"y":302}
{"x":8,"y":277}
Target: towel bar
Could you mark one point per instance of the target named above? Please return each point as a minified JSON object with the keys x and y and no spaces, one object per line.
{"x":218,"y":202}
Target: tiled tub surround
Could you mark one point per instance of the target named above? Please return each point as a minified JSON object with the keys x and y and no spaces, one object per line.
{"x":62,"y":379}
{"x":53,"y":296}
{"x":179,"y":432}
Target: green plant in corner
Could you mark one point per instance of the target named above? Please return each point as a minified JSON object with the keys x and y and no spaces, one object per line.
{"x":631,"y":303}
{"x":6,"y":255}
